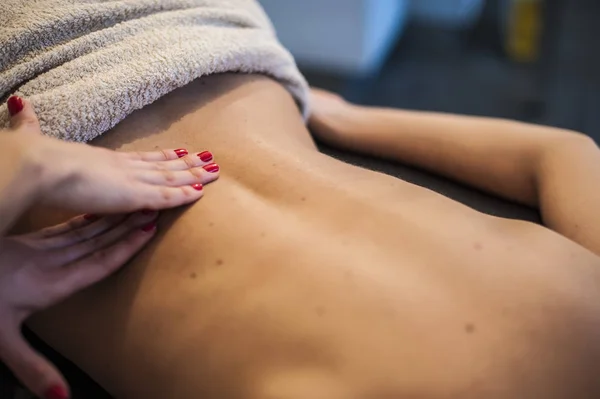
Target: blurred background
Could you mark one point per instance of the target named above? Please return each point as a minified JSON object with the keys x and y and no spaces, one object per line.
{"x":531,"y":60}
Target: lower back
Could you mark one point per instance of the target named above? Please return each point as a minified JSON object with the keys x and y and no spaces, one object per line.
{"x":296,"y":270}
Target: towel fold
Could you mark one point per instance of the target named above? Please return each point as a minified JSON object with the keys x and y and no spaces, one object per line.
{"x":85,"y":65}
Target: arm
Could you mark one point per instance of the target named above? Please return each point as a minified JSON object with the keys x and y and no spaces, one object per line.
{"x":44,"y":170}
{"x":19,"y":182}
{"x":40,"y":269}
{"x":555,"y":170}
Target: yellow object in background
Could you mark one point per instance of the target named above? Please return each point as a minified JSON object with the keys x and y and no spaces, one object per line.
{"x":524,"y":33}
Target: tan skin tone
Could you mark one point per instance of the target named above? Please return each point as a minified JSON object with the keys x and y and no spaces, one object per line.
{"x":43,"y":267}
{"x":299,"y":276}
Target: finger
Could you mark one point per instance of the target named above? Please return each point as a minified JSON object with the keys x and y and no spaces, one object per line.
{"x":187,"y":162}
{"x":166,"y":177}
{"x":157,"y":156}
{"x":22,"y":115}
{"x":101,"y":263}
{"x":35,"y":372}
{"x":79,"y":234}
{"x":161,"y":197}
{"x":109,"y":236}
{"x":74,"y":223}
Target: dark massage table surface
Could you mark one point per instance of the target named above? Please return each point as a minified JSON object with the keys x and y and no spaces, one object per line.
{"x":85,"y":388}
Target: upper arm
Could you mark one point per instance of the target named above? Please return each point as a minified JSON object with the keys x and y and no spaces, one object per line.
{"x":568,"y":185}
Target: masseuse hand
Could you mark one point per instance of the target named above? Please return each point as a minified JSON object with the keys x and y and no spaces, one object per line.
{"x":40,"y":269}
{"x":83,"y":178}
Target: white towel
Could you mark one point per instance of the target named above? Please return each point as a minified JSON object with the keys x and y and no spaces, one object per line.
{"x":85,"y":65}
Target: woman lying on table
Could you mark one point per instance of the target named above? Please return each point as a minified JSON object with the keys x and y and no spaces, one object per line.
{"x":300,"y":276}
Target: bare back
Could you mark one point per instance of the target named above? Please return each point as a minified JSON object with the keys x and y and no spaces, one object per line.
{"x":298,"y":276}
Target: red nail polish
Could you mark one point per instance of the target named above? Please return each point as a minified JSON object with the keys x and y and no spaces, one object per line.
{"x":197,"y":187}
{"x":212,"y":168}
{"x":15,"y":105}
{"x":181,"y":152}
{"x":91,"y":217}
{"x":149,"y":227}
{"x":56,"y":392}
{"x":205,"y":156}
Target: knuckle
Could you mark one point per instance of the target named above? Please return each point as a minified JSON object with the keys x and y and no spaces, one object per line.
{"x":168,"y":176}
{"x":166,"y":195}
{"x":46,"y":233}
{"x":103,"y":259}
{"x":73,"y":224}
{"x":189,"y":162}
{"x":165,"y":155}
{"x":188,"y":192}
{"x":196,"y":173}
{"x":159,"y":166}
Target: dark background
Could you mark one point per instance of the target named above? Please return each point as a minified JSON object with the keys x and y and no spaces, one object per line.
{"x":467,"y":71}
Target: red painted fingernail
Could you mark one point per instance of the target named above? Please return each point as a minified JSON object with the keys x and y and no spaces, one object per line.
{"x":149,"y":227}
{"x":212,"y":168}
{"x":181,"y":152}
{"x":197,"y":187}
{"x":91,"y":217}
{"x":56,"y":392}
{"x":15,"y":105}
{"x":205,"y":156}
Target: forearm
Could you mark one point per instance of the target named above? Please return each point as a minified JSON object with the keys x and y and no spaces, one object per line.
{"x":496,"y":156}
{"x":20,"y":180}
{"x":568,"y":184}
{"x":554,"y":170}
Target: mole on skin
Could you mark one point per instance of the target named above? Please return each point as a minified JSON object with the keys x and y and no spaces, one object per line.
{"x":469,"y":328}
{"x":478,"y":246}
{"x":193,"y":275}
{"x":219,"y":262}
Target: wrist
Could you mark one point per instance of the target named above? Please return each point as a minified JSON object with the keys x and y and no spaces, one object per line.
{"x":40,"y":168}
{"x":19,"y":182}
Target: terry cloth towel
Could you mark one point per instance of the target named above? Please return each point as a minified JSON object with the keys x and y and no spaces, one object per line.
{"x":85,"y":65}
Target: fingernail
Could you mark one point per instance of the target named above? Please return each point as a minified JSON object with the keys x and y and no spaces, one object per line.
{"x":149,"y":227}
{"x":15,"y":105}
{"x":90,"y":217}
{"x":205,"y":156}
{"x":56,"y":392}
{"x":212,"y":168}
{"x":181,"y":152}
{"x":197,"y":187}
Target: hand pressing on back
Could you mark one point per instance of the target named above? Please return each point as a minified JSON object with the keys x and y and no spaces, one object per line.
{"x":83,"y":178}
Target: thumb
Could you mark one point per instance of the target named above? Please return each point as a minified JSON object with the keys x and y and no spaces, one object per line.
{"x":35,"y":372}
{"x":22,"y":115}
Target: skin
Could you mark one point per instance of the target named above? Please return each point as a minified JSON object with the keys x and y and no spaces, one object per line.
{"x":300,"y":276}
{"x":42,"y":268}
